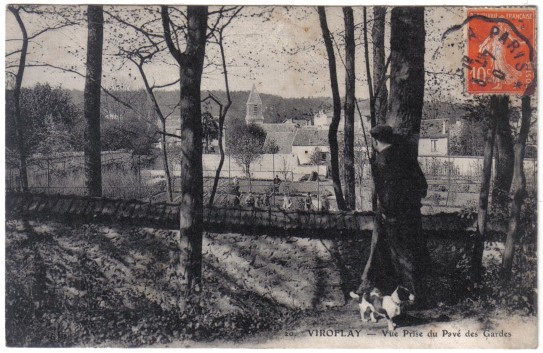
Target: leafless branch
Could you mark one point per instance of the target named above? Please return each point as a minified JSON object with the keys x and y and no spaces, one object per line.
{"x":165,"y":85}
{"x":223,"y":10}
{"x":166,"y":116}
{"x":167,"y":134}
{"x":51,"y":29}
{"x":176,"y":53}
{"x":13,"y":52}
{"x":383,"y":78}
{"x":139,"y":29}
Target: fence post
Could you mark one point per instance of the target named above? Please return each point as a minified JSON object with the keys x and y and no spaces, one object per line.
{"x":48,"y":178}
{"x":318,"y":192}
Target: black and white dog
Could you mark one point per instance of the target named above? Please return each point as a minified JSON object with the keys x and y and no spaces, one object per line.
{"x":374,"y":305}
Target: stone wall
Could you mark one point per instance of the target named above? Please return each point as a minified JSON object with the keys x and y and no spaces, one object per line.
{"x":242,"y":220}
{"x":298,"y":259}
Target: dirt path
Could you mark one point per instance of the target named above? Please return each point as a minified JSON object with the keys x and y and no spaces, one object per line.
{"x":342,"y":328}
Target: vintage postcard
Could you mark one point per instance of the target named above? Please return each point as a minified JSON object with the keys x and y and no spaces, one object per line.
{"x":227,"y":176}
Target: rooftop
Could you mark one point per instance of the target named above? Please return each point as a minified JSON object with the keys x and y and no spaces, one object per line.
{"x":311,"y":137}
{"x":434,"y":128}
{"x":279,"y":127}
{"x":254,"y":97}
{"x":283,"y":140}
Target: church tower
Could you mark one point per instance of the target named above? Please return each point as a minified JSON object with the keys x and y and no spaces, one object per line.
{"x":254,"y":108}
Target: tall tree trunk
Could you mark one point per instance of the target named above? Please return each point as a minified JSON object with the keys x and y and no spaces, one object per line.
{"x":92,"y":145}
{"x":165,"y":161}
{"x":222,"y":116}
{"x":368,"y":70}
{"x":407,"y":73}
{"x":221,"y":150}
{"x":372,"y":92}
{"x":376,"y":222}
{"x":504,"y":155}
{"x":406,"y":98}
{"x":350,"y":79}
{"x":332,"y":132}
{"x":163,"y":140}
{"x":518,"y":188}
{"x":23,"y":174}
{"x":379,"y":70}
{"x":191,"y":63}
{"x":482,"y":211}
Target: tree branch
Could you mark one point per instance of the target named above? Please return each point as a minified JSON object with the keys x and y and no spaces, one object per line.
{"x":51,"y":29}
{"x":173,"y":110}
{"x":139,"y":29}
{"x":165,"y":85}
{"x":176,"y":53}
{"x":14,"y":52}
{"x":168,"y":134}
{"x":384,"y":77}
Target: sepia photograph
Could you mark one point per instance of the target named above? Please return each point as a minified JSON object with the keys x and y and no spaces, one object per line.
{"x":272,"y":176}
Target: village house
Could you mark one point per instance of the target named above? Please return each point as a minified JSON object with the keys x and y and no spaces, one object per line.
{"x":304,"y":145}
{"x":310,"y":145}
{"x":435,"y":135}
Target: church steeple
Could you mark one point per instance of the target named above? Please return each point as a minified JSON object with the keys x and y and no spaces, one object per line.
{"x":254,"y":108}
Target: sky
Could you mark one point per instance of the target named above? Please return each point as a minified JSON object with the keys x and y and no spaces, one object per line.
{"x":284,"y":55}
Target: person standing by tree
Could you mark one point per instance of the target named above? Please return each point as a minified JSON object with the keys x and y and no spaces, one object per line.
{"x":276,"y":183}
{"x":267,"y":199}
{"x":308,"y":201}
{"x":400,"y":255}
{"x":237,"y":200}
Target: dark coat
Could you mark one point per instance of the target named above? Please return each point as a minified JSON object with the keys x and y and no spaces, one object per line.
{"x":400,"y":254}
{"x":399,"y":182}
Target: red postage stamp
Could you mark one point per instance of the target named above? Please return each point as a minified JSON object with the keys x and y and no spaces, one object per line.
{"x":500,"y":56}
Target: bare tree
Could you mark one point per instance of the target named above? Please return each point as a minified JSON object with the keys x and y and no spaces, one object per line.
{"x":407,"y":73}
{"x":217,"y":36}
{"x":332,"y":132}
{"x":376,"y":84}
{"x":26,"y":37}
{"x":146,"y":49}
{"x":482,"y":211}
{"x":92,"y":147}
{"x":17,"y":98}
{"x":380,"y":94}
{"x":350,"y":79}
{"x":191,"y":62}
{"x":518,"y":187}
{"x":504,"y":156}
{"x":404,"y":113}
{"x":284,"y":167}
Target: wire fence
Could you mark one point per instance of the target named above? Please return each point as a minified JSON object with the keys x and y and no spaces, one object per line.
{"x":129,"y":177}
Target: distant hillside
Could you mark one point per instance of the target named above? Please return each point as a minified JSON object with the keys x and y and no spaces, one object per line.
{"x":276,"y":109}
